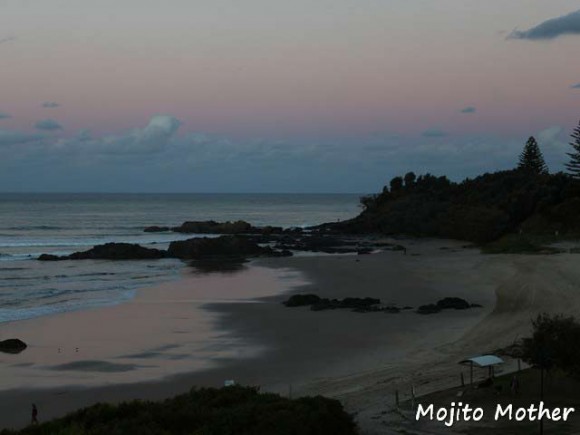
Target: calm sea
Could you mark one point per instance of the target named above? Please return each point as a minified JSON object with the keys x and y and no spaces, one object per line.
{"x":32,"y":224}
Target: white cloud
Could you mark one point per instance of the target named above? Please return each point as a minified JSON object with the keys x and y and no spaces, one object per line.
{"x":153,"y":138}
{"x":551,"y":137}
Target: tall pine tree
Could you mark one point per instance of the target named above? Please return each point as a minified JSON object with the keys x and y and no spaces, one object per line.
{"x":574,"y":165}
{"x":531,"y":158}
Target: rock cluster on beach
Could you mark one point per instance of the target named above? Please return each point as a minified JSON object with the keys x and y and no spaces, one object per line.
{"x":282,"y":239}
{"x":213,"y":227}
{"x":370,"y":305}
{"x":237,"y":239}
{"x":195,"y":249}
{"x":359,"y":305}
{"x":446,"y":304}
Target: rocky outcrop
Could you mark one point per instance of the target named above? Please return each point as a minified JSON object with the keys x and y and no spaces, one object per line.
{"x":156,"y":229}
{"x":220,"y":247}
{"x":12,"y":345}
{"x":359,"y":305}
{"x":319,"y":243}
{"x":213,"y":227}
{"x":111,"y":251}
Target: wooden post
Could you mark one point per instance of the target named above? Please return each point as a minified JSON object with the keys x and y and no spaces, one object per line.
{"x":462,"y":380}
{"x":519,"y":365}
{"x":397,"y":398}
{"x":471,"y":374}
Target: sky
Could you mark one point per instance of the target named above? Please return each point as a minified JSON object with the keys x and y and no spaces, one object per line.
{"x":272,"y":96}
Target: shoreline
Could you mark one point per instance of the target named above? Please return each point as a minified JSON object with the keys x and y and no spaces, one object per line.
{"x":361,"y":359}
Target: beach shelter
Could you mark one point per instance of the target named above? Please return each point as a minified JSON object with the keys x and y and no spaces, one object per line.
{"x":482,"y":361}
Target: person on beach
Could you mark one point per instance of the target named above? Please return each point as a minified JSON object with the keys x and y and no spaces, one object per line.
{"x":34,"y":419}
{"x":515,"y":385}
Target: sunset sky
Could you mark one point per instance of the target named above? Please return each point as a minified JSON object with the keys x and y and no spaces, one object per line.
{"x":271,"y":96}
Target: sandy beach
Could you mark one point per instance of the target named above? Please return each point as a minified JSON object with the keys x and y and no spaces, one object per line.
{"x":204,"y":329}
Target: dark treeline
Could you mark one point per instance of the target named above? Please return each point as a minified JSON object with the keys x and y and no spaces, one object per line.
{"x":527,"y":199}
{"x":227,"y":411}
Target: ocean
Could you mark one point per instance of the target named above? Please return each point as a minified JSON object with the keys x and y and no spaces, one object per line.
{"x":32,"y":224}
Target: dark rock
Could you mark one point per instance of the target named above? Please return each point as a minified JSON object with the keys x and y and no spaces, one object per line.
{"x":428,"y":309}
{"x":12,"y":345}
{"x":49,"y":257}
{"x":219,"y":265}
{"x":325,"y":304}
{"x":445,"y":304}
{"x":392,"y":310}
{"x":156,"y":229}
{"x":453,"y":303}
{"x":213,"y":227}
{"x":355,"y":303}
{"x":111,"y":251}
{"x":223,"y":246}
{"x":319,"y":243}
{"x":293,"y":230}
{"x":301,"y":300}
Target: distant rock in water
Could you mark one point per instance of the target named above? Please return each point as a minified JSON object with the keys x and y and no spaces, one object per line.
{"x":223,"y":246}
{"x":49,"y":257}
{"x":213,"y":227}
{"x":111,"y":251}
{"x":12,"y":345}
{"x":156,"y":229}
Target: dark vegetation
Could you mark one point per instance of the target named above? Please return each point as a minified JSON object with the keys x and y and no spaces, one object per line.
{"x":478,"y":210}
{"x":227,"y":411}
{"x":524,"y":201}
{"x":554,"y":344}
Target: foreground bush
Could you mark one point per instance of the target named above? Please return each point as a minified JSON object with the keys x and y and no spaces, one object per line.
{"x":209,"y":411}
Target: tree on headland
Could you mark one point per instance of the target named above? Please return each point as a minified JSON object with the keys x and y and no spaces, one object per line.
{"x":410,"y":179}
{"x":531,"y":158}
{"x":574,"y":165}
{"x":396,"y":184}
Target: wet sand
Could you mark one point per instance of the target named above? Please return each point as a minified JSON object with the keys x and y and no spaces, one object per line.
{"x":359,"y":358}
